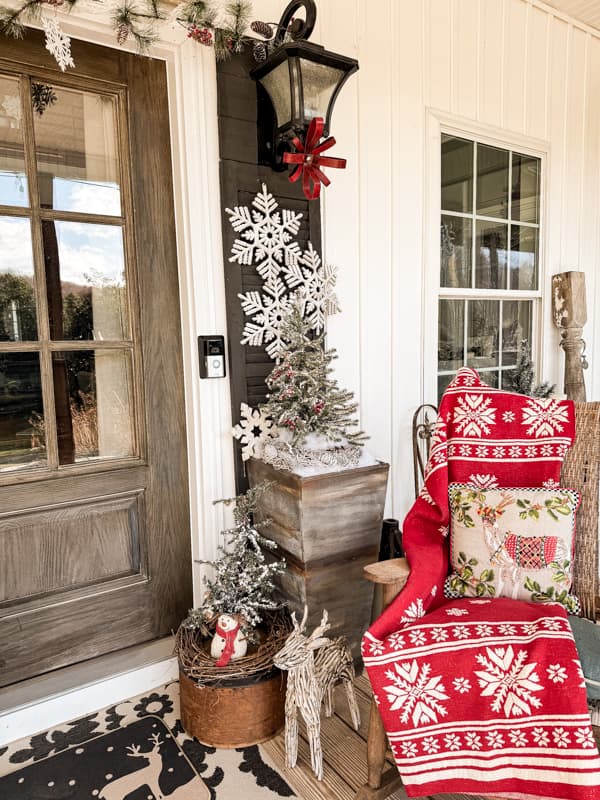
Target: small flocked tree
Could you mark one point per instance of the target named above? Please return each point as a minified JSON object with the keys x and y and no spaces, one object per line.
{"x":243,"y":580}
{"x":520,"y":379}
{"x":303,"y":397}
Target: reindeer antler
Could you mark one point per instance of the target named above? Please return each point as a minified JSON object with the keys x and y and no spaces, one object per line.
{"x":156,"y":741}
{"x":322,"y":627}
{"x":134,"y":751}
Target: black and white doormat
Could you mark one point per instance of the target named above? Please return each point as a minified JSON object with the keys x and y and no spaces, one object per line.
{"x":135,"y":750}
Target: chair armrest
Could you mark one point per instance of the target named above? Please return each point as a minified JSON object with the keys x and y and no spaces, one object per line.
{"x":391,"y":574}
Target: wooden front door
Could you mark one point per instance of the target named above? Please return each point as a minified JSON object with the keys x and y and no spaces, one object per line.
{"x":94,"y":520}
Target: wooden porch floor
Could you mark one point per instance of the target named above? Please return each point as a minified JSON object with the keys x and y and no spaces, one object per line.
{"x":344,"y":755}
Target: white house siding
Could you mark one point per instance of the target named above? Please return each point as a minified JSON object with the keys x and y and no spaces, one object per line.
{"x":509,"y":69}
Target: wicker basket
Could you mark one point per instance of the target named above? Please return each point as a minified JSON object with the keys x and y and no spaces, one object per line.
{"x":238,"y":705}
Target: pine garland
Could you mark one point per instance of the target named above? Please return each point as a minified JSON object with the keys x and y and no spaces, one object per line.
{"x":303,"y":397}
{"x":243,"y":580}
{"x":137,"y":19}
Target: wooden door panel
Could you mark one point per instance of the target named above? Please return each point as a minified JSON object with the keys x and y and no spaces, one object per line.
{"x":68,"y":547}
{"x":73,"y":631}
{"x":95,"y":557}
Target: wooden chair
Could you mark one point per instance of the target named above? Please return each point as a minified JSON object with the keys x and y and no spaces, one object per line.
{"x":581,"y":470}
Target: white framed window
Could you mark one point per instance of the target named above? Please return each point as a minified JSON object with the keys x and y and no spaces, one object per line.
{"x":489,"y":293}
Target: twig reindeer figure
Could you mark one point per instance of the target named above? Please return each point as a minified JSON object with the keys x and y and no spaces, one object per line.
{"x":315,"y":664}
{"x":147,"y":776}
{"x":512,"y":552}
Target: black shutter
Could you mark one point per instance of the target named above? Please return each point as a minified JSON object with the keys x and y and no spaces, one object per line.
{"x":241,"y":180}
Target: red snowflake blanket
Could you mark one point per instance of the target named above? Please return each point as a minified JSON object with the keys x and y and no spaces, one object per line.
{"x":476,"y":695}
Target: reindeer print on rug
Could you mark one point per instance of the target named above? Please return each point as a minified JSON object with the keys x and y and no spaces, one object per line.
{"x":514,"y":543}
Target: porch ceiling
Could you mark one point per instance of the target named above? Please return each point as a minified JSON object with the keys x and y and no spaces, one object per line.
{"x":586,"y":11}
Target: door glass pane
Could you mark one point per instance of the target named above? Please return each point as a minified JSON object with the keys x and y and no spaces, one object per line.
{"x":85,"y":281}
{"x":13,"y":183}
{"x":523,"y":257}
{"x":457,"y":174}
{"x":17,"y":295}
{"x":491,"y":255}
{"x":490,"y":377}
{"x":22,"y":439}
{"x":482,"y":333}
{"x":77,"y":158}
{"x":492,"y":181}
{"x":93,"y":398}
{"x":516,"y":327}
{"x":525,"y":188}
{"x":451,"y":335}
{"x":455,"y":244}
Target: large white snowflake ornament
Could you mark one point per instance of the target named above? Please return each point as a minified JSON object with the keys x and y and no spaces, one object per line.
{"x":315,"y":284}
{"x":267,"y":243}
{"x":266,"y":235}
{"x":267,"y":311}
{"x":253,"y":430}
{"x":414,"y":690}
{"x":510,"y":680}
{"x":58,"y":43}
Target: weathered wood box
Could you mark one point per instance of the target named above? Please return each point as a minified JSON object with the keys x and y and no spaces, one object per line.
{"x":328,"y":527}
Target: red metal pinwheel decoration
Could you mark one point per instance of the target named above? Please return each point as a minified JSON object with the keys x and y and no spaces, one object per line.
{"x":308,"y":160}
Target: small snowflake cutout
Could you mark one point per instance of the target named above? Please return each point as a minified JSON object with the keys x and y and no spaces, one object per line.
{"x":253,"y":429}
{"x":58,"y":43}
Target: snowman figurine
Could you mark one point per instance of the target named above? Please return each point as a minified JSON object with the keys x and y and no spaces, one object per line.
{"x":228,"y":642}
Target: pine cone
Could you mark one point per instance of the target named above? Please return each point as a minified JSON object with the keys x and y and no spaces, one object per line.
{"x":123,"y":31}
{"x":259,"y":51}
{"x":262,"y":28}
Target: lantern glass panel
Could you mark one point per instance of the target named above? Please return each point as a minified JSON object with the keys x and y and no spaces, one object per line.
{"x":319,"y":82}
{"x":277,"y":85}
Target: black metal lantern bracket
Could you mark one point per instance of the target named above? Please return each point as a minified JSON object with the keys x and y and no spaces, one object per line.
{"x":297,"y":82}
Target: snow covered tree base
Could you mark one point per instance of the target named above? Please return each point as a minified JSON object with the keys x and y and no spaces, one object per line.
{"x":317,"y":455}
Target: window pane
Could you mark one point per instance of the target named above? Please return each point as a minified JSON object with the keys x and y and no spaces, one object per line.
{"x":22,"y":440}
{"x":482,"y":333}
{"x":93,"y":398}
{"x":13,"y":183}
{"x":451,"y":335}
{"x":457,"y":174}
{"x":491,"y":255}
{"x":85,"y":281}
{"x":17,"y":295}
{"x":525,"y":188}
{"x":76,"y":144}
{"x":516,"y":327}
{"x":443,"y":381}
{"x":492,"y":181}
{"x":456,"y":239}
{"x":523,"y":257}
{"x":490,"y":377}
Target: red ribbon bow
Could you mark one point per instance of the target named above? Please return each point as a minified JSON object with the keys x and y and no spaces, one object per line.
{"x":308,"y":159}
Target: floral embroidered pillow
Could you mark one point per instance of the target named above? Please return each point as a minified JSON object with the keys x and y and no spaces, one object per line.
{"x":515,"y":543}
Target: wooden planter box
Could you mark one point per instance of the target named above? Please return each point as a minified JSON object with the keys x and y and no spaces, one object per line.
{"x":328,"y":527}
{"x":233,"y":716}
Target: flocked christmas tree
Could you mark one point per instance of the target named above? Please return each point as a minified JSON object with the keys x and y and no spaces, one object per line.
{"x":243,"y":580}
{"x":303,"y":397}
{"x":520,"y":379}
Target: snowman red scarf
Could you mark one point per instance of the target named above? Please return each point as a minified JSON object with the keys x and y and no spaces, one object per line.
{"x":482,"y":696}
{"x":229,"y":637}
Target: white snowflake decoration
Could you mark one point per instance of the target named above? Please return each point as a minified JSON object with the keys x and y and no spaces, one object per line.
{"x":58,"y":43}
{"x":315,"y":283}
{"x":12,"y":108}
{"x":253,"y":430}
{"x":288,"y":273}
{"x":267,"y":235}
{"x":267,"y":311}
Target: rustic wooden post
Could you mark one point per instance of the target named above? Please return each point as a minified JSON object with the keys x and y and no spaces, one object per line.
{"x":570,"y":315}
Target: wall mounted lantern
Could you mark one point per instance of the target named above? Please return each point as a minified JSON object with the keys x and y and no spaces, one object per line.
{"x":303,"y":81}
